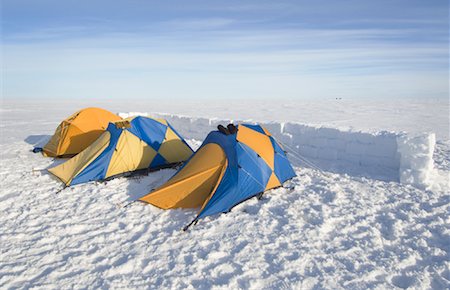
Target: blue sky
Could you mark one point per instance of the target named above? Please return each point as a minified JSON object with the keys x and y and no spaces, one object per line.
{"x":225,"y":49}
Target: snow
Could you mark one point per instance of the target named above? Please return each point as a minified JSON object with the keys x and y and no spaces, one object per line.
{"x":335,"y":228}
{"x":416,"y":159}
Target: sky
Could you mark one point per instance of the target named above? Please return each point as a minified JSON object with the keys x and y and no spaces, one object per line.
{"x":179,"y":49}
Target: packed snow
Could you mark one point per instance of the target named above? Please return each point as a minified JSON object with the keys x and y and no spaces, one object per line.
{"x":337,"y":227}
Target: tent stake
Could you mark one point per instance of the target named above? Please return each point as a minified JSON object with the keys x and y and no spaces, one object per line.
{"x":187,"y":227}
{"x":60,"y":190}
{"x":130,"y":203}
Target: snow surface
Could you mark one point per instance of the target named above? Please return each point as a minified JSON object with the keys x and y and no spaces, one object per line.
{"x":332,"y":230}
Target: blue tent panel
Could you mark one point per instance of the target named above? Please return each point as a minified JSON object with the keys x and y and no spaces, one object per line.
{"x":150,"y":131}
{"x":250,"y":162}
{"x":276,"y":146}
{"x":219,"y":202}
{"x":97,"y":169}
{"x":256,"y":128}
{"x":158,"y":161}
{"x":283,"y":169}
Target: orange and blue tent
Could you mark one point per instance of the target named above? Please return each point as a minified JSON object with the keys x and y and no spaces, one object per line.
{"x":231,"y":166}
{"x":77,"y":132}
{"x":127,"y":146}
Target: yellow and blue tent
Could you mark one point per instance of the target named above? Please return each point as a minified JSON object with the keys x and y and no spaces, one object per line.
{"x":231,"y":166}
{"x":135,"y":143}
{"x":77,"y":132}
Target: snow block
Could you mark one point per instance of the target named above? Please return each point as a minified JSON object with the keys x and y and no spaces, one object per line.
{"x":338,"y":144}
{"x":328,"y":133}
{"x":356,"y":148}
{"x":390,"y":156}
{"x":132,"y":114}
{"x":308,"y":151}
{"x":328,"y":153}
{"x":416,"y":158}
{"x":365,"y":138}
{"x":349,"y":157}
{"x":380,"y":150}
{"x":321,"y":142}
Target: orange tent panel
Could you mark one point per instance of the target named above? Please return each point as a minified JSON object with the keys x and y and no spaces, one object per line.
{"x":78,"y":131}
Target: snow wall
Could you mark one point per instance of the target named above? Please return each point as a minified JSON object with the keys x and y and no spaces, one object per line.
{"x":389,"y":156}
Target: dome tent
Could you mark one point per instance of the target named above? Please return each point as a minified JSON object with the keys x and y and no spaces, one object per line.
{"x":231,"y":166}
{"x":129,"y":145}
{"x":77,"y":132}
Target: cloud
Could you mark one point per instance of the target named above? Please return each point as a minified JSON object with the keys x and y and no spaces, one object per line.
{"x":219,"y":58}
{"x":196,"y":23}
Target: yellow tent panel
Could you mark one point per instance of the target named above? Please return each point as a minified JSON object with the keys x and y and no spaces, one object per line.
{"x":192,"y":185}
{"x":273,"y":182}
{"x":260,"y":143}
{"x":131,"y":154}
{"x":172,"y":149}
{"x":69,"y":169}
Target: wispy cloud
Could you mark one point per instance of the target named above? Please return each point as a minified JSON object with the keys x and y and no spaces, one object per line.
{"x":195,"y":23}
{"x":224,"y":65}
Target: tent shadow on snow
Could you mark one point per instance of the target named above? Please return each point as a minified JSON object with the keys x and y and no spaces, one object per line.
{"x":347,"y":168}
{"x":140,"y":185}
{"x":37,"y":140}
{"x":40,"y":141}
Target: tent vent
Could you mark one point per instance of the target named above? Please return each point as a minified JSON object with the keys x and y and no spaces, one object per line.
{"x":123,"y":124}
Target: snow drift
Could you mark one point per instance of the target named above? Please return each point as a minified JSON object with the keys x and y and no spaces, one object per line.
{"x":383,"y":155}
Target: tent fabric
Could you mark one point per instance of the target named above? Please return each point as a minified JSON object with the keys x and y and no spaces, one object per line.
{"x":226,"y":170}
{"x":77,"y":132}
{"x":191,"y":186}
{"x":126,"y":146}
